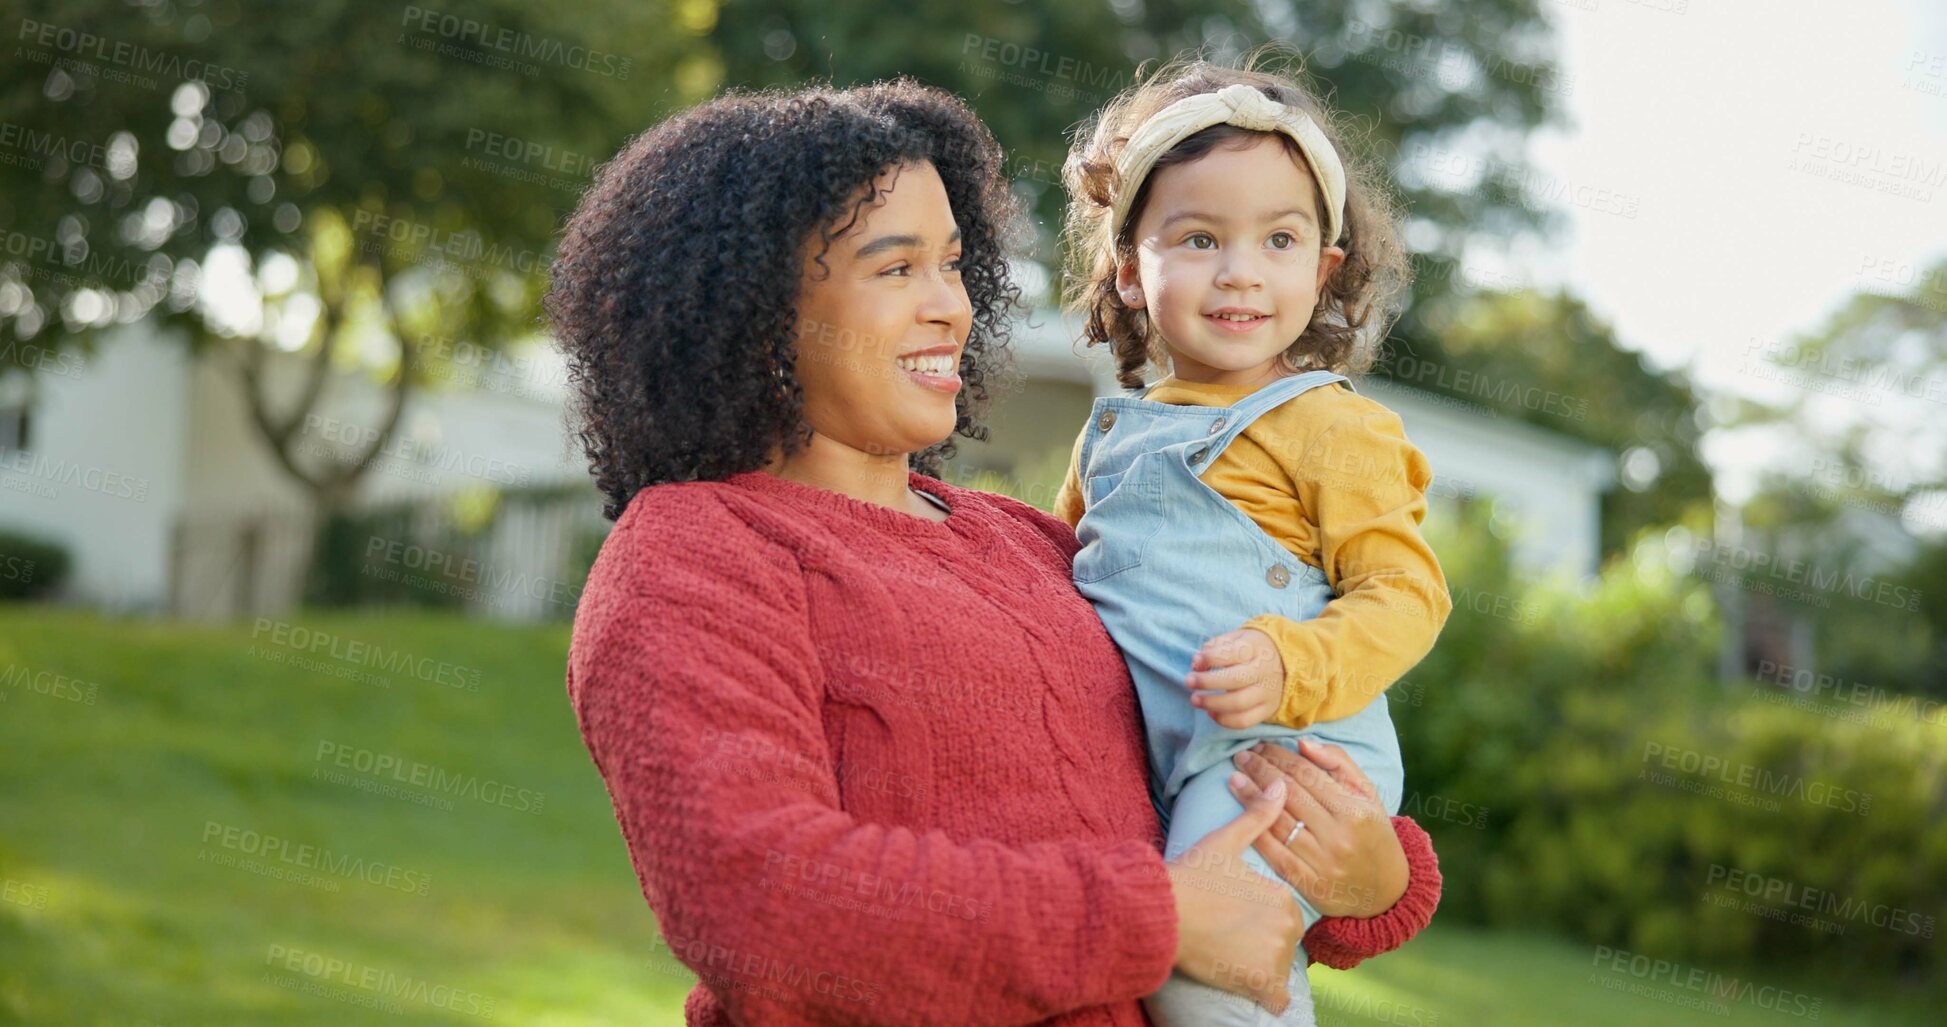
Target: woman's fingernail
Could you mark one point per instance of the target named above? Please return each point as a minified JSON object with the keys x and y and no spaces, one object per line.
{"x":1276,"y":791}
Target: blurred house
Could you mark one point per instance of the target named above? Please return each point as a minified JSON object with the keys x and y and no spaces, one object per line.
{"x":145,"y":463}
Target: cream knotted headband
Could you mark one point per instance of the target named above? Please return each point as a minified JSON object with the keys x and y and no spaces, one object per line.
{"x":1241,"y":105}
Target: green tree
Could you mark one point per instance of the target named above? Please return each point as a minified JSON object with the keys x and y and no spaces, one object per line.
{"x":1414,"y":75}
{"x":1862,"y":481}
{"x":310,"y":175}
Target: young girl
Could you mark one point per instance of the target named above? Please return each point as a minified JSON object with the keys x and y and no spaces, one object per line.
{"x":1249,"y":524}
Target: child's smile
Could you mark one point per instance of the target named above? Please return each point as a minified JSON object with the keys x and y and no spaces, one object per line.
{"x":1228,"y":261}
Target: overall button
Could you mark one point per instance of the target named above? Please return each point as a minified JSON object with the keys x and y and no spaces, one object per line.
{"x":1278,"y":576}
{"x":1216,"y":426}
{"x":1106,"y":421}
{"x":1197,"y":457}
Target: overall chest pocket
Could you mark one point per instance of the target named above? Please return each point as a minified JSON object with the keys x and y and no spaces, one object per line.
{"x":1125,"y":512}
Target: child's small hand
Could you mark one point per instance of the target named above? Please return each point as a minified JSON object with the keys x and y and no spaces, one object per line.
{"x":1238,"y":678}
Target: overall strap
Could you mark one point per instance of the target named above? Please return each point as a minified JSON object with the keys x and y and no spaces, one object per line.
{"x":1266,"y":399}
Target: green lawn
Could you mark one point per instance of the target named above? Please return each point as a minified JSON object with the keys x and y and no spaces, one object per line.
{"x":144,"y":765}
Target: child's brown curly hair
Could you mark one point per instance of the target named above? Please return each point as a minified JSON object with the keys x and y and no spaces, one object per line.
{"x":1360,"y":299}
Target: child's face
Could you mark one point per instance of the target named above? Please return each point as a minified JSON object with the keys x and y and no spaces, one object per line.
{"x":1234,"y":232}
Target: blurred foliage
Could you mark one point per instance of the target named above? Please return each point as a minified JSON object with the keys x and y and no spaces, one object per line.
{"x":1412,"y":76}
{"x":416,"y":162}
{"x":1862,"y":413}
{"x":1547,"y":360}
{"x":373,"y":184}
{"x":155,"y":129}
{"x":1859,"y":476}
{"x":1536,"y":737}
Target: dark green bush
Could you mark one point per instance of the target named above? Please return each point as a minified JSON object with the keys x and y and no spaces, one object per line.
{"x":30,"y":568}
{"x":1629,"y":797}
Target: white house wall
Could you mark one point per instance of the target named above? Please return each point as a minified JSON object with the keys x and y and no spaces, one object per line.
{"x":102,"y":474}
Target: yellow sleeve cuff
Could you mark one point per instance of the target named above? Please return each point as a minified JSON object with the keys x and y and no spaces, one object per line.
{"x":1305,"y":673}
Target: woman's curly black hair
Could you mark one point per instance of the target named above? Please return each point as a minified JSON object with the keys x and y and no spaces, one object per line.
{"x":675,"y":294}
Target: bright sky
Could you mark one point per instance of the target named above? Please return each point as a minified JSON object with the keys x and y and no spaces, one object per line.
{"x":1732,"y":123}
{"x":1773,"y":158}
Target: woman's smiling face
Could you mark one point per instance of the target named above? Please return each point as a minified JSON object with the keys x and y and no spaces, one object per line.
{"x":1228,"y":260}
{"x":883,"y":321}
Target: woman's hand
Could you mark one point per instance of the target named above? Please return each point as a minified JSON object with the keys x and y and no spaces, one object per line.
{"x":1347,"y":861}
{"x":1235,"y":928}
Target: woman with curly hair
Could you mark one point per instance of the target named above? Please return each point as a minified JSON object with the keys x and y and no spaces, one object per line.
{"x":874,"y":757}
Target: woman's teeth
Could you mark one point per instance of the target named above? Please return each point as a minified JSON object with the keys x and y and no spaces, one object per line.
{"x":939,"y":365}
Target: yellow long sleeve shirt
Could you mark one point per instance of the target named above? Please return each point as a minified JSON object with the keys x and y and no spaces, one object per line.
{"x":1330,"y":476}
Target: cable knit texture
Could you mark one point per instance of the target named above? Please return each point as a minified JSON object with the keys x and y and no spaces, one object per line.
{"x":873,"y":768}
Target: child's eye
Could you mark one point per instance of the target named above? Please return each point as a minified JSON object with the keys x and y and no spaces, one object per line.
{"x":954,"y":265}
{"x":1196,"y":241}
{"x":899,"y":270}
{"x":1283,"y":240}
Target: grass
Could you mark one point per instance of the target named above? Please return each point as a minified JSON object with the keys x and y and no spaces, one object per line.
{"x":145,"y":761}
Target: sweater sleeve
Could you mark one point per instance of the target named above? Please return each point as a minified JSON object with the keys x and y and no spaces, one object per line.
{"x":1364,"y":485}
{"x":698,"y":690}
{"x":1342,"y":942}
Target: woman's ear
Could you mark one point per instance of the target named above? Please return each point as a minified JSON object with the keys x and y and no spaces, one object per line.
{"x":1128,"y":284}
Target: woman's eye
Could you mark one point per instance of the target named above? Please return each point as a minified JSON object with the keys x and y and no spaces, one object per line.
{"x":1283,"y":240}
{"x":954,"y":265}
{"x":1198,"y":240}
{"x":900,"y":270}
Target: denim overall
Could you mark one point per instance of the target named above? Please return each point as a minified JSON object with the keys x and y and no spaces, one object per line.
{"x":1169,"y":563}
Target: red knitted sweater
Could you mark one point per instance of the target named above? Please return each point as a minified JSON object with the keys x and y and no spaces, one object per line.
{"x":873,"y":768}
